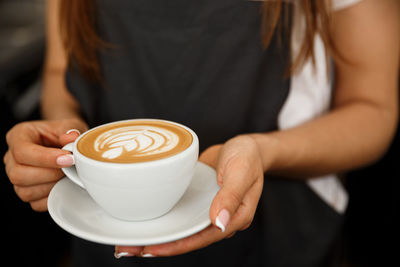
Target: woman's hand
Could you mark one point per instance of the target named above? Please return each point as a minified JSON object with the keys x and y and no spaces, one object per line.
{"x":240,"y":175}
{"x":34,"y":157}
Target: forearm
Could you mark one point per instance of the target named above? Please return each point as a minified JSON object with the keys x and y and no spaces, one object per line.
{"x":349,"y":137}
{"x":363,"y":119}
{"x":57,"y":102}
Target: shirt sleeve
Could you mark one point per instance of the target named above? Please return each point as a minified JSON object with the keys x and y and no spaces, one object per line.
{"x":341,"y":4}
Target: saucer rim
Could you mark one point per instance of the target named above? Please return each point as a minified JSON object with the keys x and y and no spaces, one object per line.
{"x":129,"y":241}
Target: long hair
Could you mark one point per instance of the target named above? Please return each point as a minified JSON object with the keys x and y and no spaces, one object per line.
{"x":82,"y":43}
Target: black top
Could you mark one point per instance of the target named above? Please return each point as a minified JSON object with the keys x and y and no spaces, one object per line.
{"x":201,"y":63}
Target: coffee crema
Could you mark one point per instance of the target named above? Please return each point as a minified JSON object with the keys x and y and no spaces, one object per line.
{"x":134,"y":141}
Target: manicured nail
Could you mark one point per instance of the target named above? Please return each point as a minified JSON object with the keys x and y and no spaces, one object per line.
{"x":73,"y":130}
{"x":122,"y":254}
{"x":222,"y":219}
{"x":65,"y":160}
{"x":147,"y":255}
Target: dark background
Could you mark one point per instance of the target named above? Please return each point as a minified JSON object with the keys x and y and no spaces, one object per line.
{"x":370,"y":234}
{"x":30,"y":238}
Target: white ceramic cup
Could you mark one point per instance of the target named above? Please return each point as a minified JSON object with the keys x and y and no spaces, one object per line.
{"x":135,"y":191}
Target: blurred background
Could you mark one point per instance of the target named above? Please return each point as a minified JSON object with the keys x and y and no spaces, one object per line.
{"x":32,"y":238}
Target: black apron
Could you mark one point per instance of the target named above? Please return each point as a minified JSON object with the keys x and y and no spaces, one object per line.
{"x":201,"y":63}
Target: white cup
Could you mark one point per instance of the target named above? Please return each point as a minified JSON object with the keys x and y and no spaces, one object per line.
{"x":135,"y":191}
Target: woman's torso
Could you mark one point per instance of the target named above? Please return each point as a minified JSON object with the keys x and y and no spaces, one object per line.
{"x":201,"y":63}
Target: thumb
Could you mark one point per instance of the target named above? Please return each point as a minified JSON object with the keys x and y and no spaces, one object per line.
{"x":236,"y":182}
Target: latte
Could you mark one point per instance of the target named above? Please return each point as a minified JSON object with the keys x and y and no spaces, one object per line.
{"x":134,"y":141}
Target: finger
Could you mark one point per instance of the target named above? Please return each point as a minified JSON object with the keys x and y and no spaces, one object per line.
{"x":197,"y":241}
{"x":247,"y":209}
{"x":37,"y":132}
{"x":42,"y":132}
{"x":6,"y":157}
{"x":39,"y":205}
{"x":24,"y":175}
{"x":237,"y":180}
{"x":69,"y":137}
{"x":31,"y":154}
{"x":231,"y":235}
{"x":33,"y":193}
{"x":52,"y":130}
{"x":243,"y":216}
{"x":72,"y":124}
{"x":126,"y":251}
{"x":22,"y":132}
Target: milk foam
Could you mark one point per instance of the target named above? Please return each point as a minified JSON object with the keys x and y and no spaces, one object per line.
{"x":135,"y":141}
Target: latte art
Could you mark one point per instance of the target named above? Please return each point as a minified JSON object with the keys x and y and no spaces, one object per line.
{"x":135,"y":141}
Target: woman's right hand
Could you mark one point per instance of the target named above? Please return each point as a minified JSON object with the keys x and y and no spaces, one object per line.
{"x":34,"y":157}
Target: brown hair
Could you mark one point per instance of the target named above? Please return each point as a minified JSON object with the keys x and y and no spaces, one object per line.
{"x":82,"y":43}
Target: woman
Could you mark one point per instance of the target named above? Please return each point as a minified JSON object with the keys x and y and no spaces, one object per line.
{"x":205,"y":64}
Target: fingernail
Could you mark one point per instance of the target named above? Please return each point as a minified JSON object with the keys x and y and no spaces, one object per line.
{"x":65,"y":160}
{"x":222,"y":219}
{"x":147,"y":255}
{"x":73,"y":130}
{"x":122,"y":254}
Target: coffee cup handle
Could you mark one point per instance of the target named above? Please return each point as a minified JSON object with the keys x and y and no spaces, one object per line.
{"x":70,"y":172}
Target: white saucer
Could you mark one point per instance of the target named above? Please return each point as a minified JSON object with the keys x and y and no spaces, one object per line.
{"x":74,"y":210}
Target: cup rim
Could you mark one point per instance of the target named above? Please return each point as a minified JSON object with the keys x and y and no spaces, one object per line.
{"x":192,"y":146}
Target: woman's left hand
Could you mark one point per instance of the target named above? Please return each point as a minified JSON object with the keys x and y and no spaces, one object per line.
{"x":240,"y":175}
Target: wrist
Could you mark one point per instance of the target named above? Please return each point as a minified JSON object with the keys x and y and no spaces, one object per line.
{"x":268,"y":147}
